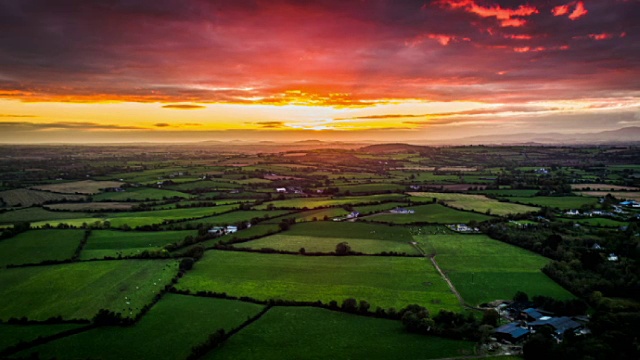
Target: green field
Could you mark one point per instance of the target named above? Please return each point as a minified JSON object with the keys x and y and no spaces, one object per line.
{"x":311,"y":215}
{"x":478,"y":203}
{"x":324,"y":202}
{"x":322,"y":236}
{"x":236,"y":217}
{"x":203,"y":185}
{"x":103,"y":243}
{"x":312,"y":333}
{"x":560,"y":202}
{"x":354,"y":230}
{"x":169,"y":331}
{"x":483,"y":269}
{"x":11,"y":335}
{"x":382,"y":281}
{"x":371,"y":209}
{"x":432,"y":213}
{"x":141,"y":218}
{"x":35,"y":246}
{"x":79,"y":290}
{"x":508,"y":192}
{"x":371,"y":188}
{"x":594,"y":221}
{"x":140,"y":194}
{"x":37,"y":214}
{"x":253,"y":232}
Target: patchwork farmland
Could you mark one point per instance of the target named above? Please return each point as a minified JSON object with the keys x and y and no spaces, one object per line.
{"x":395,"y":252}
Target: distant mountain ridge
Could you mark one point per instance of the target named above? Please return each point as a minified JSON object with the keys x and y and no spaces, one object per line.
{"x":623,"y":135}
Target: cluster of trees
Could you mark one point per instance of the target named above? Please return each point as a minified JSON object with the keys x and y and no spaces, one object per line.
{"x":448,"y":324}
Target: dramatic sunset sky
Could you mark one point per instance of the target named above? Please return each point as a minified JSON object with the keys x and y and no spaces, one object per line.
{"x":392,"y":70}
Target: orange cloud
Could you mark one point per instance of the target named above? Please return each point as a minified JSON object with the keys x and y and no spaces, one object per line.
{"x":183,"y":107}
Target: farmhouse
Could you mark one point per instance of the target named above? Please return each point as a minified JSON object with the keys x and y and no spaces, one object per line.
{"x":572,"y":212}
{"x":612,"y":257}
{"x":231,"y":229}
{"x":353,"y":215}
{"x":281,"y":190}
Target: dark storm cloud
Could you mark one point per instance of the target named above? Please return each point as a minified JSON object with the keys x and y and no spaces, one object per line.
{"x":253,"y":51}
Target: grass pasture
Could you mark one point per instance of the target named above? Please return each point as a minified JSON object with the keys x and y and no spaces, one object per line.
{"x":34,"y":246}
{"x":371,"y":188}
{"x":85,"y":187}
{"x":560,"y":202}
{"x":324,"y":334}
{"x":508,"y":192}
{"x":622,"y":195}
{"x":11,"y":335}
{"x":382,"y":281}
{"x":190,"y":320}
{"x":111,"y":243}
{"x":92,"y":206}
{"x":140,"y":194}
{"x":477,"y":203}
{"x":79,"y":290}
{"x":236,"y":217}
{"x":141,"y":218}
{"x":28,"y":197}
{"x":36,"y":214}
{"x":594,"y":221}
{"x":483,"y":269}
{"x":323,"y":236}
{"x":313,"y":203}
{"x":431,"y":213}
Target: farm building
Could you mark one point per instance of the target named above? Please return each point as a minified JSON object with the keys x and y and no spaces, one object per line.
{"x":400,"y":210}
{"x":511,"y":332}
{"x":531,"y":314}
{"x":559,"y":324}
{"x":281,"y":190}
{"x":216,"y":230}
{"x":353,"y":215}
{"x":231,"y":229}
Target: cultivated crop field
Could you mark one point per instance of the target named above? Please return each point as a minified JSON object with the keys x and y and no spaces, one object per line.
{"x":92,"y":206}
{"x":432,"y":213}
{"x":191,"y":319}
{"x":86,"y":187}
{"x":477,"y":203}
{"x":483,"y":269}
{"x":38,"y":245}
{"x":79,"y":290}
{"x":383,"y":281}
{"x":349,"y":337}
{"x":28,"y":197}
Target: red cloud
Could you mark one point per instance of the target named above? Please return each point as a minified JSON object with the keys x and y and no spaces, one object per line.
{"x":561,"y":10}
{"x":602,"y":36}
{"x":578,"y":12}
{"x":506,"y":16}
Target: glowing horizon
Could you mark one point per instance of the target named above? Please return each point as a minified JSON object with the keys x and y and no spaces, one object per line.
{"x":372,"y":70}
